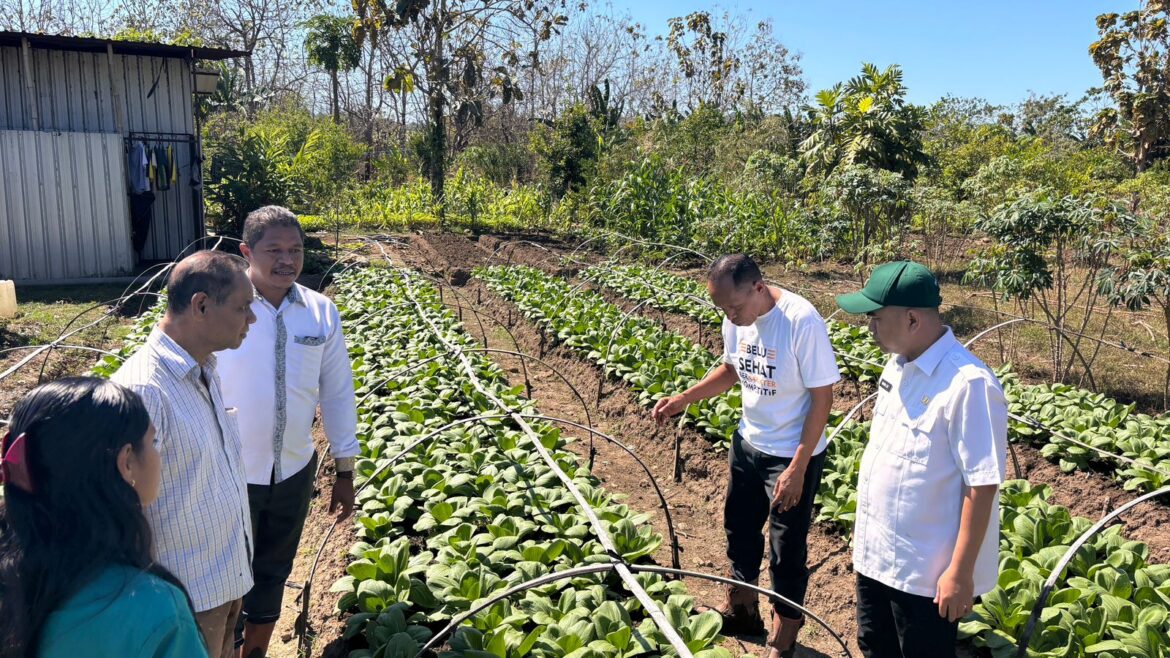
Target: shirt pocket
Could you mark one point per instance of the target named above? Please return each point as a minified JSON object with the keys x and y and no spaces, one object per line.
{"x":303,"y":368}
{"x":912,"y":442}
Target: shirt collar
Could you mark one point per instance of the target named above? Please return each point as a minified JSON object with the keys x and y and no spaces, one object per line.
{"x":176,"y":359}
{"x":929,"y":360}
{"x":293,"y":295}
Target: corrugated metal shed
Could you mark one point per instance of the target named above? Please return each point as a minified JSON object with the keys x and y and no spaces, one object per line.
{"x":64,"y":89}
{"x":75,"y":92}
{"x":65,"y":207}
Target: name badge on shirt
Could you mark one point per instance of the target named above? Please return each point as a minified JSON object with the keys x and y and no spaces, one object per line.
{"x":886,"y":386}
{"x":311,"y":341}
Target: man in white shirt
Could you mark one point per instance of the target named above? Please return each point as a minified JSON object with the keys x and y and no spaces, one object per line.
{"x":293,"y":361}
{"x":926,"y":538}
{"x":202,"y":532}
{"x":776,"y":346}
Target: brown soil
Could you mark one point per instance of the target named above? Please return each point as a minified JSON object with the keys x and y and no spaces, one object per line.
{"x":60,"y":364}
{"x":1093,"y":495}
{"x":696,"y":503}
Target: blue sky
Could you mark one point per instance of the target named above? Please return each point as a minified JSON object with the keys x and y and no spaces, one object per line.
{"x":994,"y":49}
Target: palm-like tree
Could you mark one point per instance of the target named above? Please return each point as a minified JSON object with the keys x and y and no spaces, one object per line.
{"x":330,"y":46}
{"x":866,"y":121}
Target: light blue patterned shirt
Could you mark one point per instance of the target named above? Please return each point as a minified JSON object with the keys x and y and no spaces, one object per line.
{"x":202,"y":529}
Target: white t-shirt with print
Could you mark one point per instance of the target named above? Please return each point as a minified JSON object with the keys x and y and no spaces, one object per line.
{"x":785,"y":352}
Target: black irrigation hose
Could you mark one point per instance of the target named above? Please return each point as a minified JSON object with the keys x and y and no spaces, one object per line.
{"x":663,"y":624}
{"x":402,"y":371}
{"x":755,"y":588}
{"x":674,"y":548}
{"x":116,"y":302}
{"x":65,"y":333}
{"x":600,"y":568}
{"x":512,"y":244}
{"x":555,"y":371}
{"x":61,"y":338}
{"x":338,"y":261}
{"x":84,"y":348}
{"x":1035,"y":424}
{"x":302,"y":623}
{"x":654,"y":614}
{"x":1030,"y":628}
{"x":1121,"y":345}
{"x":609,"y":346}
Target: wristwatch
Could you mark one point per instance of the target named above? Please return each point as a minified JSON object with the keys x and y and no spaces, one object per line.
{"x":344,"y":466}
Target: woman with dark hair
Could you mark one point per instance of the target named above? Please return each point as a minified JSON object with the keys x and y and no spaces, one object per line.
{"x":78,"y":464}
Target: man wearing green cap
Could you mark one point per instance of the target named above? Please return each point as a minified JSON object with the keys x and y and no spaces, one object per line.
{"x":926,"y":534}
{"x":777,"y":347}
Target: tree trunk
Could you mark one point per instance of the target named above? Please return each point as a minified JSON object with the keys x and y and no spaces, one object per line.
{"x":402,"y":123}
{"x":336,"y":108}
{"x":437,"y":143}
{"x":1166,"y":384}
{"x":370,"y":104}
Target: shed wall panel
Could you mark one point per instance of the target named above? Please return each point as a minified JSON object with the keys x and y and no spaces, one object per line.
{"x":64,"y":206}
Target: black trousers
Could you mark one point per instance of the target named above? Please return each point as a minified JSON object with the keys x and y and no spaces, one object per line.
{"x":893,"y":624}
{"x":278,"y":517}
{"x":749,"y":505}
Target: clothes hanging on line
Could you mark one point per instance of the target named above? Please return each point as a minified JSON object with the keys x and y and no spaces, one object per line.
{"x":151,"y":167}
{"x":163,"y":161}
{"x":136,"y":168}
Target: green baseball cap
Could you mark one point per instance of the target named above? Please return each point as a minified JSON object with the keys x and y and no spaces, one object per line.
{"x":901,"y":283}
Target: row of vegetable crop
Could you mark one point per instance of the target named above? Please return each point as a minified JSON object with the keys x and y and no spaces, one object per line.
{"x":1110,"y":601}
{"x":858,"y":355}
{"x":653,"y":362}
{"x":1090,"y":418}
{"x":473,"y":511}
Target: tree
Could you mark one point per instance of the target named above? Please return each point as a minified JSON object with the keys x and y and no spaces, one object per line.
{"x":1133,"y":54}
{"x":717,"y":65}
{"x":329,"y":45}
{"x":875,"y":203}
{"x":566,"y":152}
{"x":1142,"y":279}
{"x":465,"y":46}
{"x":866,"y":121}
{"x":264,"y":28}
{"x":704,"y":61}
{"x":769,"y":73}
{"x":1049,"y":252}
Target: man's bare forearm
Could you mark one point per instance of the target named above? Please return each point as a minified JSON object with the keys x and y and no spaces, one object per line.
{"x":719,"y":380}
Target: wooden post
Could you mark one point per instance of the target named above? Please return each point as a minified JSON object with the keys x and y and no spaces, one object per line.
{"x":115,"y":95}
{"x":30,"y":90}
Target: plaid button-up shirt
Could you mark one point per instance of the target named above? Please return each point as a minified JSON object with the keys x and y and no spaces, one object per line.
{"x":202,"y":529}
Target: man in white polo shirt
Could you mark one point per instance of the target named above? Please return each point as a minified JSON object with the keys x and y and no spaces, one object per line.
{"x":293,"y":361}
{"x":776,"y":346}
{"x":926,"y":538}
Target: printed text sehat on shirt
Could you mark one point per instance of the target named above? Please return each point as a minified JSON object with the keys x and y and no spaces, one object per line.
{"x":901,"y":283}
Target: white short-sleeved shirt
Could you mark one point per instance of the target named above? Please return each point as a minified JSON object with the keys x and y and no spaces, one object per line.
{"x":785,"y":352}
{"x":940,"y":424}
